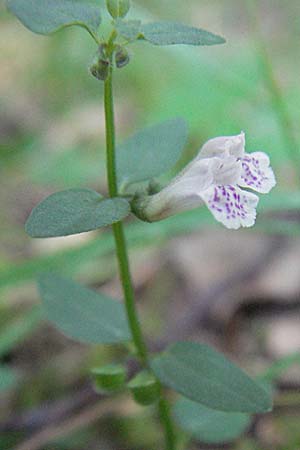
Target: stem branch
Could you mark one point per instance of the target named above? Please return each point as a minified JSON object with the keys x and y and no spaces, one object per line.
{"x":165,"y":418}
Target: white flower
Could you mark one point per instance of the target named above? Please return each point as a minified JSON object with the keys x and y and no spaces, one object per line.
{"x":215,"y":178}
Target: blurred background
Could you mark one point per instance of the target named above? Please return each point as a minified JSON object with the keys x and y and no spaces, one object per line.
{"x":237,"y":290}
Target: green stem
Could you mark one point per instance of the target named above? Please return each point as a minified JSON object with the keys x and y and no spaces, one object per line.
{"x":122,"y":256}
{"x":165,"y":418}
{"x":128,"y":293}
{"x":94,"y":36}
{"x":118,"y":227}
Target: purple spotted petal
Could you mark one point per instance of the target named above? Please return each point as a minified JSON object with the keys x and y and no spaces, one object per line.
{"x":231,"y":205}
{"x":257,"y":173}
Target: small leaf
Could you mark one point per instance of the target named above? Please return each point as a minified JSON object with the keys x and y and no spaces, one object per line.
{"x":170,"y":33}
{"x":8,"y":378}
{"x":118,"y":8}
{"x":145,"y":388}
{"x":206,"y":376}
{"x":81,"y":313}
{"x":129,"y":29}
{"x":74,"y":211}
{"x":208,"y":425}
{"x":48,"y":16}
{"x":108,"y":379}
{"x":151,"y":152}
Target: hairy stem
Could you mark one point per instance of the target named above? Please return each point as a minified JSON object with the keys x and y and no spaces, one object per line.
{"x":122,"y":256}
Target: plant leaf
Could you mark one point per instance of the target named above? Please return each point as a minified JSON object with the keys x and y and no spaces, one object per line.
{"x":48,"y":16}
{"x":130,"y":29}
{"x":151,"y":152}
{"x":170,"y":33}
{"x":206,"y":376}
{"x":82,"y":314}
{"x":74,"y":211}
{"x":208,"y":425}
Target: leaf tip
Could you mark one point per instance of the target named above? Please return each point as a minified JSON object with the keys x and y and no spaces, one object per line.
{"x":221,"y":40}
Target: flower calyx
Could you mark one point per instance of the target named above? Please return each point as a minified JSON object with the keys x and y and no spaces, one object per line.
{"x":122,"y":57}
{"x":101,"y":63}
{"x":139,"y":205}
{"x":141,"y":199}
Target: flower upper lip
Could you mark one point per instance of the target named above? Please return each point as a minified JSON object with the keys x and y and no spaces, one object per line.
{"x":224,"y":146}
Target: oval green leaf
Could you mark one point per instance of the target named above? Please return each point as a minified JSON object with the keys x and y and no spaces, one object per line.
{"x":82,"y":314}
{"x":171,"y":33}
{"x":74,"y":211}
{"x":208,"y":425}
{"x":48,"y":16}
{"x":203,"y":375}
{"x":151,"y":152}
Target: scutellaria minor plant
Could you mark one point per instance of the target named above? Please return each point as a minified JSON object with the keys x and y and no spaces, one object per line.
{"x":215,"y":394}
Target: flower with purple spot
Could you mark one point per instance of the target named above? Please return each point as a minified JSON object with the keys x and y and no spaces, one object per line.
{"x":216,"y":178}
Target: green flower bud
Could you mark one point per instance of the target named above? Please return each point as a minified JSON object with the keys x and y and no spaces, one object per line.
{"x":108,"y":379}
{"x":118,"y":8}
{"x":100,"y":68}
{"x":121,"y":57}
{"x":145,"y":388}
